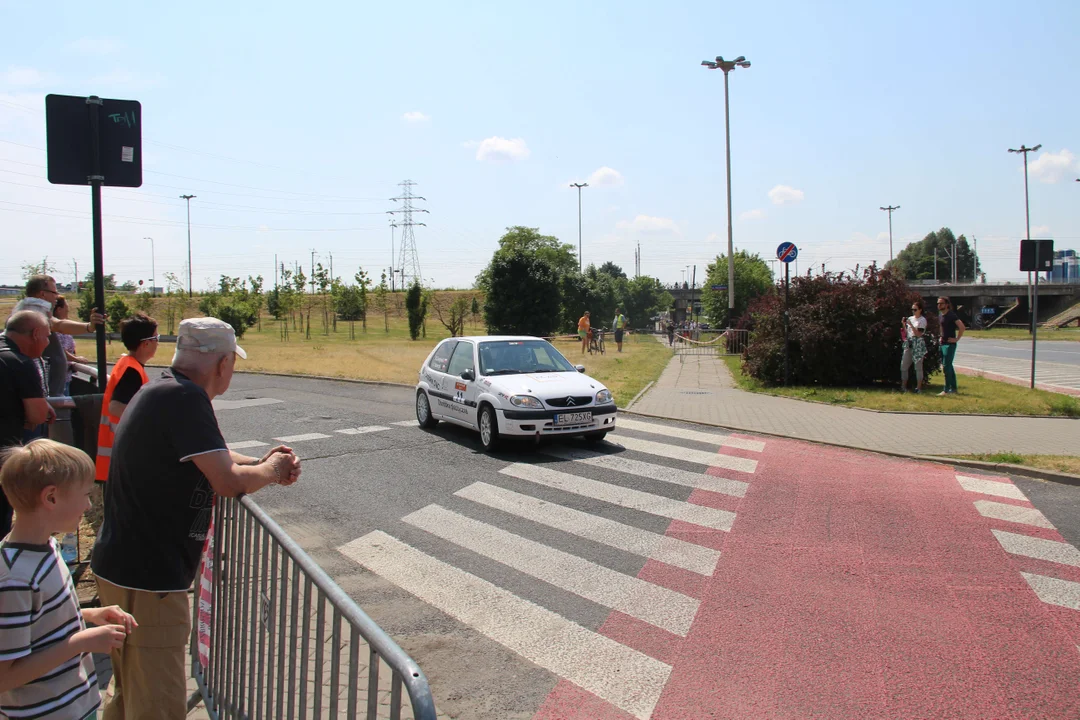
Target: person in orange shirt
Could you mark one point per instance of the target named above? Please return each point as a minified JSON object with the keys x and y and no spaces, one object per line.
{"x":583,"y":330}
{"x":140,"y":337}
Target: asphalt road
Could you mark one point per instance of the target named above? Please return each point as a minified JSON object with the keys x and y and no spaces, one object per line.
{"x":1058,"y":351}
{"x":678,"y":571}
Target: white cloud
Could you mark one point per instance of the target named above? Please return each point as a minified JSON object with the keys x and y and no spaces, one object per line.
{"x":605,"y":177}
{"x":755,"y":214}
{"x":884,"y":237}
{"x":497,"y":149}
{"x":416,"y":117}
{"x":94,"y":46}
{"x":23,"y":77}
{"x":712,"y":237}
{"x":785,"y":195}
{"x":126,"y":80}
{"x":648,"y":224}
{"x":1052,"y":167}
{"x":1042,"y":231}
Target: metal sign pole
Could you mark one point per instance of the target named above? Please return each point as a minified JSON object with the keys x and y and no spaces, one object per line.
{"x":1035,"y":313}
{"x":96,"y":179}
{"x":787,"y":360}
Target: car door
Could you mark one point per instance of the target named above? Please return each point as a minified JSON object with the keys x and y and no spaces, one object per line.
{"x":435,"y":374}
{"x":464,"y":389}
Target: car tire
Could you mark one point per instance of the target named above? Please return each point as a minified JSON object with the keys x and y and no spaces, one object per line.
{"x":595,"y":437}
{"x":423,"y":411}
{"x":488,"y":423}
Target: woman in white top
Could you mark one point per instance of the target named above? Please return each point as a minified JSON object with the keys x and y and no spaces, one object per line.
{"x":914,"y":346}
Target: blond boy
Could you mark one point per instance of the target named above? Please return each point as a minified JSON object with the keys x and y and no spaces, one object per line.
{"x":46,"y":668}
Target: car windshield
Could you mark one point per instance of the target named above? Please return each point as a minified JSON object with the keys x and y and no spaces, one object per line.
{"x":514,"y":357}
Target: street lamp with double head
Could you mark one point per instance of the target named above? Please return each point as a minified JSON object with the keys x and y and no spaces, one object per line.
{"x":727,"y":66}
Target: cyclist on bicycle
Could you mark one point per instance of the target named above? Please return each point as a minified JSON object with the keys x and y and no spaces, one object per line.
{"x":584,"y":331}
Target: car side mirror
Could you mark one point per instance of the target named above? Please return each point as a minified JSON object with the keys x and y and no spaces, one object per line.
{"x":468,"y":375}
{"x":580,"y":368}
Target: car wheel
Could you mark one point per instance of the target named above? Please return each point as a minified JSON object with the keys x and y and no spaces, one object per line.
{"x":596,"y":437}
{"x":489,"y":428}
{"x":423,"y":411}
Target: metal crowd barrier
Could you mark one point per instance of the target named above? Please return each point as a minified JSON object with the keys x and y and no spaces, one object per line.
{"x":711,"y":342}
{"x":278,"y":647}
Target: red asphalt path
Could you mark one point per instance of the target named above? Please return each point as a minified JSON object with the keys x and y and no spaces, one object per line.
{"x":855,"y":586}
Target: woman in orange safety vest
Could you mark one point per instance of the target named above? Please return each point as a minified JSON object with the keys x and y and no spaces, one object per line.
{"x":139,"y":334}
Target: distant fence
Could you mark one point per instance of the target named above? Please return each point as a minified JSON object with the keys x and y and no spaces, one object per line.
{"x":284,"y":640}
{"x":711,"y":342}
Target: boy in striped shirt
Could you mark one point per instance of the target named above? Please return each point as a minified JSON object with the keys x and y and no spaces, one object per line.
{"x":46,"y":668}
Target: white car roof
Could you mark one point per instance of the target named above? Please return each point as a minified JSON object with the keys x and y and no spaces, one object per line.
{"x":487,"y":338}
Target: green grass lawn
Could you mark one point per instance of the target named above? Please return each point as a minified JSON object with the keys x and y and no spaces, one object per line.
{"x":391,"y":356}
{"x":1069,"y":333}
{"x":977,"y":396}
{"x":1060,"y":463}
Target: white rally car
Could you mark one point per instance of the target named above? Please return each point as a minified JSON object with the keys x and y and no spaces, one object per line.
{"x":511,"y":386}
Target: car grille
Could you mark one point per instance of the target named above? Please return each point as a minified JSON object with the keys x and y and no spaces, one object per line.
{"x":577,"y":401}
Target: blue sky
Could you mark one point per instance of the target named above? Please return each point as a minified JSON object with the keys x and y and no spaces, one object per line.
{"x":293,"y":127}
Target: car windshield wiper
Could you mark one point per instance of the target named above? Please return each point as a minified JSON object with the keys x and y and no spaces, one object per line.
{"x":504,"y":371}
{"x":540,"y":370}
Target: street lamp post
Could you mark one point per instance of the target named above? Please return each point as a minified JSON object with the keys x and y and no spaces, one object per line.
{"x":727,"y":66}
{"x":579,"y":186}
{"x":188,"y":198}
{"x":152,"y":271}
{"x":890,"y":211}
{"x":1034,"y":302}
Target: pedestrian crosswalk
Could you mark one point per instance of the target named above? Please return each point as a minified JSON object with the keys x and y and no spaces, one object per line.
{"x":1027,"y":538}
{"x":553,"y":517}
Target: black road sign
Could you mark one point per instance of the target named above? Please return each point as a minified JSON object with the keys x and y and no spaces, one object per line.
{"x":69,"y":141}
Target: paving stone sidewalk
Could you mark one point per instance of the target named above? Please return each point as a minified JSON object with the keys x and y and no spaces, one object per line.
{"x":700,"y":389}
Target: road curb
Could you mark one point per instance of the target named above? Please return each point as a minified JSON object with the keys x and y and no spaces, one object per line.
{"x":638,"y":396}
{"x":1007,"y":468}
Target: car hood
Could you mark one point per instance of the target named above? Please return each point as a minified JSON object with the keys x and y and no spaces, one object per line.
{"x":544,"y":385}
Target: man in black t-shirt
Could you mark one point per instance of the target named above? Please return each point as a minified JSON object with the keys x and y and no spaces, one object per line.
{"x":22,"y":394}
{"x":169,"y":460}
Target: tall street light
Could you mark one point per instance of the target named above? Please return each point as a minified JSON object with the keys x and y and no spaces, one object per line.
{"x":152,"y":272}
{"x":188,"y":198}
{"x":579,"y":186}
{"x":1023,"y":150}
{"x":727,"y":66}
{"x":890,"y":211}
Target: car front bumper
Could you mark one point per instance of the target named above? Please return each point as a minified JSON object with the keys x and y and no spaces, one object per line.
{"x":542,"y":422}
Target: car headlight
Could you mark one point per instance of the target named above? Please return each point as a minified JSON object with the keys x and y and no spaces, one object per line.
{"x":526,"y":401}
{"x":603,"y":397}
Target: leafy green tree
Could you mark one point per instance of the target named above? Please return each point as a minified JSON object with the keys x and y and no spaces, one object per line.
{"x":451,"y":311}
{"x":610,"y":268}
{"x":381,"y":301}
{"x":475,"y":310}
{"x":523,"y":294}
{"x":916,"y":261}
{"x":117,"y":311}
{"x":110,"y":280}
{"x":559,"y":255}
{"x":257,"y":298}
{"x":644,"y":297}
{"x":753,"y":278}
{"x":416,"y":308}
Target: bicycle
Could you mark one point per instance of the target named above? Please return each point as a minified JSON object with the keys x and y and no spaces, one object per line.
{"x":596,"y":341}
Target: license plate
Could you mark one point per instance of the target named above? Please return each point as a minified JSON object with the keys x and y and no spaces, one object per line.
{"x":577,"y":418}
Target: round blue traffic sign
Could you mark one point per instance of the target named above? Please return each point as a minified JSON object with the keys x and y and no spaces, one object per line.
{"x":787,"y":252}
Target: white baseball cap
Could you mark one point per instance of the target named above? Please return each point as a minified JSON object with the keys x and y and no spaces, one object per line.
{"x":207,"y":334}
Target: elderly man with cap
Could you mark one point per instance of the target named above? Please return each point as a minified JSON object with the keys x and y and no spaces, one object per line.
{"x":169,"y":460}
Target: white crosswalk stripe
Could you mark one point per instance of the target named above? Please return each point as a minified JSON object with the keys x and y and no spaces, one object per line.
{"x":626,"y":678}
{"x":301,"y":438}
{"x":990,"y":487}
{"x":405,"y":423}
{"x":243,"y":444}
{"x":672,"y":551}
{"x":674,"y":452}
{"x":1038,"y":548}
{"x":1012,"y":513}
{"x":625,"y":497}
{"x":685,"y":434}
{"x":736,"y":488}
{"x":362,"y":430}
{"x":1055,"y":591}
{"x":650,"y":603}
